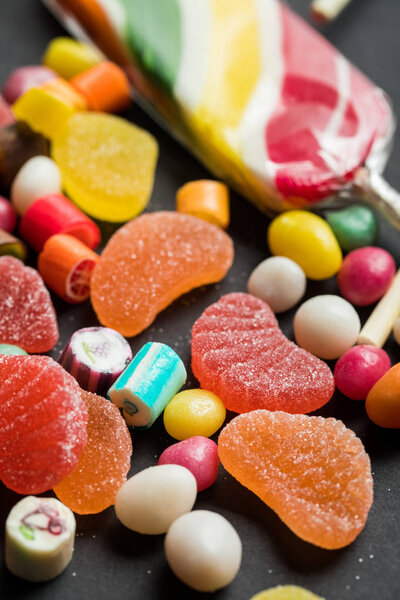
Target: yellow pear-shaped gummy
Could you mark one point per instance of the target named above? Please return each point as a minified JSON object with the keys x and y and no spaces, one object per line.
{"x":308,"y":240}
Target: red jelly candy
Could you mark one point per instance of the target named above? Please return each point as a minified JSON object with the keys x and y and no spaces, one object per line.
{"x":27,"y":315}
{"x":240,"y":354}
{"x":42,"y":423}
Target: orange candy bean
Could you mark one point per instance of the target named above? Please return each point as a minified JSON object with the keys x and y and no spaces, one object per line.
{"x":383,"y":401}
{"x":205,"y":199}
{"x":105,"y":87}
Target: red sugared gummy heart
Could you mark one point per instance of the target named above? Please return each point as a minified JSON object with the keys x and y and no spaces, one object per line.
{"x":240,"y":354}
{"x":27,"y":315}
{"x":42,"y":423}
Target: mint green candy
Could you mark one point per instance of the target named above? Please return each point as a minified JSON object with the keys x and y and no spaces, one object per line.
{"x":10,"y":349}
{"x":354,"y":227}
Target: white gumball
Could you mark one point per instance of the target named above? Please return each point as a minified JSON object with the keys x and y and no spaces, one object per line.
{"x":326,"y":326}
{"x":38,"y":177}
{"x":278,"y":281}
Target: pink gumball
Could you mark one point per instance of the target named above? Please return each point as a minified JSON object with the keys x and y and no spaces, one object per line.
{"x":198,"y":454}
{"x":8,"y":216}
{"x":24,"y":78}
{"x":357,"y":371}
{"x":365,"y":275}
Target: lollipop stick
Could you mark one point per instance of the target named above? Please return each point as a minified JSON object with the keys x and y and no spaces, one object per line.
{"x":327,"y":10}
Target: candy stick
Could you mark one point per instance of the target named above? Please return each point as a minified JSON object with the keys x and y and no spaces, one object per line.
{"x":327,"y":10}
{"x":380,"y":323}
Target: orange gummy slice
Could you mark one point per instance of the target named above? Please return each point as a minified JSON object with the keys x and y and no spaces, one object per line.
{"x":150,"y":262}
{"x":313,"y":472}
{"x":104,"y":462}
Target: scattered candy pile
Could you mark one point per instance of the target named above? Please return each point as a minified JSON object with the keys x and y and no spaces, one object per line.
{"x":65,"y":426}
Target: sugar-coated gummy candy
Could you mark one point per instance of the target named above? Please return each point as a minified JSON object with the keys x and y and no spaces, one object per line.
{"x":198,"y":454}
{"x":354,"y":227}
{"x":113,"y":181}
{"x":104,"y":86}
{"x":25,"y":78}
{"x":96,"y":357}
{"x":240,"y":354}
{"x":65,"y":92}
{"x":150,"y":501}
{"x":203,"y":550}
{"x":40,"y":536}
{"x":206,"y":199}
{"x":38,"y":177}
{"x":358,"y":369}
{"x":383,"y":401}
{"x":104,"y":462}
{"x":194,"y":412}
{"x":313,"y":472}
{"x":12,"y":246}
{"x":150,"y":262}
{"x":68,"y":57}
{"x":308,"y":240}
{"x":366,"y":275}
{"x":147,"y":384}
{"x":11,"y":349}
{"x":42,"y":423}
{"x":326,"y":326}
{"x":278,"y":281}
{"x":286,"y":592}
{"x":8,"y":216}
{"x":6,"y":115}
{"x":27,"y":315}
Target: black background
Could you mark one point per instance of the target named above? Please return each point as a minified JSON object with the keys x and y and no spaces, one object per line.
{"x":113,"y":562}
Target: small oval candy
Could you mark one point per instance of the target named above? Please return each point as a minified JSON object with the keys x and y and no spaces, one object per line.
{"x":286,"y":592}
{"x":383,"y":401}
{"x":38,"y":177}
{"x":326,"y":326}
{"x":308,"y":240}
{"x":68,"y":57}
{"x":194,"y":412}
{"x":150,"y":501}
{"x":24,"y":78}
{"x":203,"y":550}
{"x":358,"y":369}
{"x":278,"y":281}
{"x":8,"y":216}
{"x":198,"y":454}
{"x":365,"y":275}
{"x":354,"y":227}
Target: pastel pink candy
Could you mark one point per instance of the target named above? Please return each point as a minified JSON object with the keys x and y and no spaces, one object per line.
{"x":357,"y":371}
{"x":240,"y":354}
{"x":6,"y":116}
{"x":198,"y":454}
{"x":24,"y":78}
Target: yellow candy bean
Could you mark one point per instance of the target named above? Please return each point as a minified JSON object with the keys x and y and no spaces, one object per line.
{"x":308,"y":240}
{"x":68,"y":58}
{"x":193,"y":412}
{"x":286,"y":592}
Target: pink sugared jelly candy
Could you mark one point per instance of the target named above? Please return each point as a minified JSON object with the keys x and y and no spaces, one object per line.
{"x":42,"y":423}
{"x":24,"y":78}
{"x":365,"y":275}
{"x":357,"y":371}
{"x":198,"y":454}
{"x":27,"y":315}
{"x":240,"y":354}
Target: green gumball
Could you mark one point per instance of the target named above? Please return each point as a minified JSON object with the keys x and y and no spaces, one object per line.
{"x":354,"y":227}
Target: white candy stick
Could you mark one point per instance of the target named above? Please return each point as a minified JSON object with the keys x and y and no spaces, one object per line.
{"x":40,"y":534}
{"x":380,"y":323}
{"x":327,"y":10}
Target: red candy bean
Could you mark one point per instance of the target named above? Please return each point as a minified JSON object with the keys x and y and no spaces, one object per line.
{"x":198,"y":454}
{"x":23,"y":79}
{"x":365,"y":275}
{"x":8,"y":216}
{"x":357,"y":371}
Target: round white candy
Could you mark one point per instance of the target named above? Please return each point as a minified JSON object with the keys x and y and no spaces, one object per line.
{"x":203,"y":550}
{"x":279,"y":281}
{"x":152,"y":499}
{"x":396,"y":331}
{"x":38,"y":177}
{"x":326,"y":326}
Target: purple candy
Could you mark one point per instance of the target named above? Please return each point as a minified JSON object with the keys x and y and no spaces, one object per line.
{"x":24,"y":78}
{"x":96,"y":357}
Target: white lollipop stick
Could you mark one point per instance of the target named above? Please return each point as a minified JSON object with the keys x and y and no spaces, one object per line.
{"x":327,"y":10}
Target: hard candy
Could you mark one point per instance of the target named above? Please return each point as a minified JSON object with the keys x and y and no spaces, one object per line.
{"x":383,"y":401}
{"x":354,"y":227}
{"x":358,"y":369}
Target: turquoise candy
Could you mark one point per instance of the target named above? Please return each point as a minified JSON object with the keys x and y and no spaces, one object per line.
{"x":148,"y":383}
{"x":354,"y":227}
{"x":11,"y":349}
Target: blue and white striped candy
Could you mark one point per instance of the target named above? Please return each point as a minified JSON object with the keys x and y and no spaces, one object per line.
{"x":148,"y":383}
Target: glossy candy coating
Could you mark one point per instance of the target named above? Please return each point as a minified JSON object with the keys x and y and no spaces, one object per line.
{"x":194,"y":412}
{"x":365,"y":275}
{"x":354,"y":227}
{"x":286,"y":592}
{"x":25,"y":78}
{"x":313,"y":472}
{"x":206,"y":199}
{"x":240,"y":354}
{"x":383,"y":401}
{"x":308,"y":240}
{"x":358,"y":369}
{"x":104,"y":462}
{"x":8,"y":216}
{"x":68,"y":57}
{"x":104,"y":86}
{"x":326,"y":326}
{"x":38,"y":177}
{"x":150,"y":262}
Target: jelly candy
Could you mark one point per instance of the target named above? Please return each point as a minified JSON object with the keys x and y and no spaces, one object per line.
{"x":38,"y":177}
{"x":150,"y":262}
{"x":354,"y":227}
{"x":358,"y":369}
{"x":42,"y":423}
{"x":112,"y":181}
{"x":103,"y":463}
{"x":366,"y":275}
{"x":239,"y":353}
{"x":27,"y":316}
{"x":64,"y":91}
{"x":286,"y":592}
{"x":308,"y":240}
{"x":68,"y":57}
{"x":313,"y":472}
{"x":206,"y":199}
{"x":194,"y":412}
{"x":383,"y":401}
{"x":24,"y":78}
